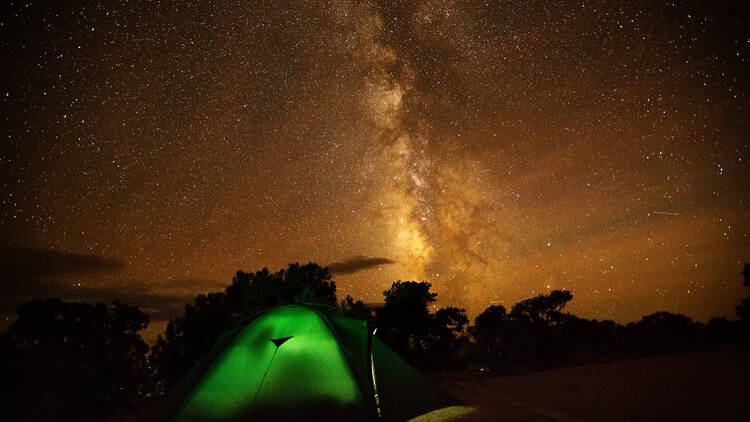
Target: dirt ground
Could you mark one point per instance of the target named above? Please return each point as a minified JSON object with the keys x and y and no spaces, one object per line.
{"x":709,"y":385}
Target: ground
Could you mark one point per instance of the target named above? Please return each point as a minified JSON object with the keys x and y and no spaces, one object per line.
{"x":711,"y":385}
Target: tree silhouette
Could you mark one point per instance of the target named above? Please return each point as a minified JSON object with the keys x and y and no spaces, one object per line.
{"x":445,"y":344}
{"x":356,"y":309}
{"x":308,"y":283}
{"x":405,"y":319}
{"x":490,"y":332}
{"x":720,"y":332}
{"x":426,"y":340}
{"x":662,"y":332}
{"x":543,"y":308}
{"x":74,"y":361}
{"x":533,"y":334}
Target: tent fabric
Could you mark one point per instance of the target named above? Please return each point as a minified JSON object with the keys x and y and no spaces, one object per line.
{"x":300,"y":362}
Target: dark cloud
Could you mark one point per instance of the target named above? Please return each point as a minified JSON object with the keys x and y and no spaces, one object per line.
{"x":21,"y":264}
{"x":357,"y":263}
{"x":161,"y":304}
{"x":29,"y":273}
{"x":158,"y":305}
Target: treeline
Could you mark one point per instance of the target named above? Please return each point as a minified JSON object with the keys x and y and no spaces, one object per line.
{"x":81,"y":361}
{"x":536,"y":333}
{"x":74,"y":361}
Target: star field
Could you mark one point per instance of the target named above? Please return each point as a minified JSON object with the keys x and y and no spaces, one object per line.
{"x":496,"y":149}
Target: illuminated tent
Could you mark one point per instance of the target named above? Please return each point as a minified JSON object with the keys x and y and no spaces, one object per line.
{"x":300,"y":362}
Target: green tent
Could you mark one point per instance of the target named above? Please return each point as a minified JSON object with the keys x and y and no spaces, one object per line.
{"x":302,"y":362}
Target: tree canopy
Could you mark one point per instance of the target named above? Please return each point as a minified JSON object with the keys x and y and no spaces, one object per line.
{"x":543,"y":308}
{"x":67,"y":359}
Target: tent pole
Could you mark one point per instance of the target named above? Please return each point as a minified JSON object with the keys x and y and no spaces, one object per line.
{"x":376,"y":397}
{"x":264,"y":376}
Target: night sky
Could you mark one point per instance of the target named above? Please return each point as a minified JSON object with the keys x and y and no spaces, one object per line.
{"x":495,"y":149}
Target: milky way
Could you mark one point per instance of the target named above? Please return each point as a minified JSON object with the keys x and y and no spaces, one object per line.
{"x":495,"y":149}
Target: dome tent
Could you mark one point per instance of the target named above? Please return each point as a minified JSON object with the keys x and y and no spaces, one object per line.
{"x":303,"y":362}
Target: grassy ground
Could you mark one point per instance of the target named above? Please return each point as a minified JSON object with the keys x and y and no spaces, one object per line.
{"x":711,"y":385}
